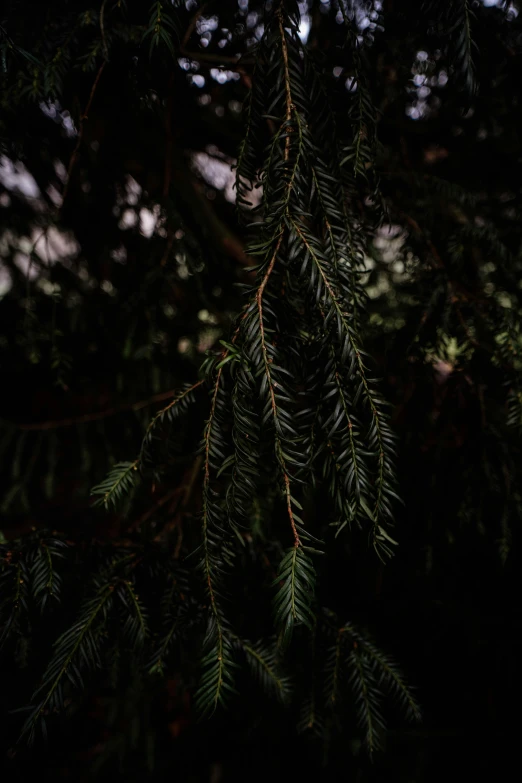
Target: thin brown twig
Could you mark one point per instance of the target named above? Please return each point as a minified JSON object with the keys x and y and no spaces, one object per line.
{"x":288,"y":91}
{"x":70,"y":422}
{"x":167,"y":174}
{"x":184,"y":503}
{"x":102,"y":31}
{"x":206,"y":483}
{"x":206,"y":490}
{"x":179,"y":396}
{"x":297,"y":540}
{"x":259,"y":301}
{"x":83,"y":118}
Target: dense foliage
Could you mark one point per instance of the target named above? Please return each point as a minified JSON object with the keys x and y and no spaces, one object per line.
{"x":261,"y":331}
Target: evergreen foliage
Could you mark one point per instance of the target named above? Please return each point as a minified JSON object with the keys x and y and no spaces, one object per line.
{"x":210,"y":423}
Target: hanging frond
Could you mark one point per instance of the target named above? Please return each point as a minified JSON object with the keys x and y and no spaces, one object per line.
{"x":354,"y":660}
{"x":76,"y":652}
{"x":265,"y":665}
{"x":216,"y":683}
{"x":46,"y":581}
{"x":163,"y":27}
{"x":367,"y":698}
{"x":360,"y":153}
{"x":175,"y":619}
{"x":310,"y":719}
{"x":460,"y":28}
{"x":135,"y":628}
{"x":293,"y":603}
{"x":368,"y":244}
{"x":334,"y":671}
{"x":390,"y":677}
{"x":14,"y":589}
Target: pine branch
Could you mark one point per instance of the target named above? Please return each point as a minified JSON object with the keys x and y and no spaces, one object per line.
{"x":334,"y":671}
{"x":293,"y":601}
{"x":263,"y":662}
{"x":391,"y":676}
{"x":14,"y":581}
{"x":75,"y":650}
{"x":367,"y":699}
{"x":162,"y":28}
{"x":116,"y":485}
{"x":216,"y":684}
{"x":135,"y":628}
{"x":380,"y":435}
{"x":175,"y":409}
{"x":174,"y":617}
{"x":216,"y":681}
{"x":46,"y":582}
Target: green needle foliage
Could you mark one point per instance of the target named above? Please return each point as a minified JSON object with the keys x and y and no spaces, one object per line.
{"x":118,"y":482}
{"x":264,"y":398}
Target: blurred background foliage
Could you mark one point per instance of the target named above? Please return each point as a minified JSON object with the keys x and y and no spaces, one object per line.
{"x":122,"y":261}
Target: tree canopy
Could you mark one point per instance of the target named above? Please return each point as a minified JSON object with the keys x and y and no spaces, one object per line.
{"x":261,"y":334}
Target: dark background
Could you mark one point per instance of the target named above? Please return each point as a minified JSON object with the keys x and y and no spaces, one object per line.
{"x":94,"y":332}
